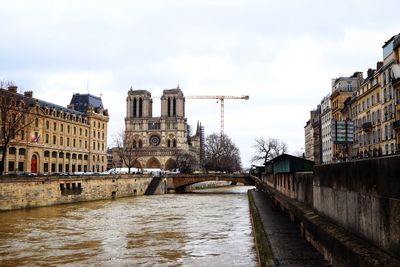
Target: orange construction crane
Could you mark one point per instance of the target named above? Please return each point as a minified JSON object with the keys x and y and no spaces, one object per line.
{"x":221,"y":98}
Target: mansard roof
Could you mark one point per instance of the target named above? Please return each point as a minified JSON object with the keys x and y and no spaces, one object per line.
{"x":81,"y":102}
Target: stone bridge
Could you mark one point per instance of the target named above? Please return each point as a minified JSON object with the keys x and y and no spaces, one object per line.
{"x":178,"y":182}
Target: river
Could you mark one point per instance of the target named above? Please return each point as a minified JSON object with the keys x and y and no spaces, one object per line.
{"x":208,"y":228}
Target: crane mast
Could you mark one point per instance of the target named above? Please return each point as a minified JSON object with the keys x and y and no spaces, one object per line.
{"x":221,"y":98}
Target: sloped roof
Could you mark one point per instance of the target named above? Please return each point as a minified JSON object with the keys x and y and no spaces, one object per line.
{"x":81,"y":102}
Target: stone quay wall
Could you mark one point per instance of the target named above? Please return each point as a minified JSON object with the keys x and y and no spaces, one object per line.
{"x":363,"y":197}
{"x":28,"y":192}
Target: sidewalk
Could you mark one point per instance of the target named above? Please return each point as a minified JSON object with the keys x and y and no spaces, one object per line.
{"x":287,"y":246}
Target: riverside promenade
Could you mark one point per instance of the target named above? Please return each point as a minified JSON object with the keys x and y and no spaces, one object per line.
{"x":286,"y":246}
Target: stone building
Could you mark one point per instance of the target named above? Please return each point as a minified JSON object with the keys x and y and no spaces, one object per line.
{"x":368,"y":123}
{"x":309,"y":141}
{"x":312,"y":132}
{"x":161,"y":138}
{"x":58,"y":139}
{"x":389,"y":103}
{"x":343,"y":89}
{"x":326,"y":128}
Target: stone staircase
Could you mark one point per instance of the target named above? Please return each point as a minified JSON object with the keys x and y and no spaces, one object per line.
{"x":155,"y":182}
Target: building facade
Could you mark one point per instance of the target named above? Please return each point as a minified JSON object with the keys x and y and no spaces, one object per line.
{"x":312,"y":132}
{"x":343,"y":89}
{"x":326,"y":128}
{"x":371,"y":104}
{"x":368,"y":123}
{"x":390,"y":63}
{"x":309,"y":141}
{"x":162,"y":138}
{"x":58,"y":139}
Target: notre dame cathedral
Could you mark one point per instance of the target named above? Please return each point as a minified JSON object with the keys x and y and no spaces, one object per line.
{"x":162,"y":138}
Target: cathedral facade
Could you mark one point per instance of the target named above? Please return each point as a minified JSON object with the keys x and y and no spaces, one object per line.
{"x":160,"y":139}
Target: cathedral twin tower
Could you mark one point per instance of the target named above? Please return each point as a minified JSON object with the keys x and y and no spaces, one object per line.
{"x":164,"y":137}
{"x":140,"y":103}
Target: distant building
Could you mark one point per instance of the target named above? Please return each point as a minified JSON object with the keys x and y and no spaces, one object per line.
{"x":312,"y":132}
{"x":309,"y":141}
{"x":326,"y":128}
{"x":368,"y":141}
{"x":389,"y":73}
{"x":59,"y":139}
{"x":161,"y":138}
{"x":343,"y":89}
{"x":372,"y":105}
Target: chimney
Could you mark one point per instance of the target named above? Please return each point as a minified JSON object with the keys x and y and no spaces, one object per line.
{"x":28,"y":94}
{"x":12,"y":89}
{"x":379,"y":65}
{"x":370,"y":73}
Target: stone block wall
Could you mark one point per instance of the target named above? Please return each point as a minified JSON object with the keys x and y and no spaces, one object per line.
{"x":46,"y":191}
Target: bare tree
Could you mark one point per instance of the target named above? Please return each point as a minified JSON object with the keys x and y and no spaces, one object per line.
{"x":221,"y":154}
{"x":129,"y":149}
{"x":15,"y":117}
{"x":267,"y":149}
{"x":186,"y":162}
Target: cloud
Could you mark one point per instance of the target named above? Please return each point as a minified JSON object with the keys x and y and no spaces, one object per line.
{"x":281,"y":53}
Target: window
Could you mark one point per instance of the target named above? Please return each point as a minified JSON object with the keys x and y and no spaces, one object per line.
{"x":47,"y":138}
{"x":22,"y":135}
{"x":62,"y":127}
{"x":74,"y":130}
{"x":36,"y":122}
{"x":47,"y":125}
{"x":12,"y":151}
{"x":54,"y":139}
{"x":22,"y":151}
{"x":54,"y":126}
{"x":61,"y":141}
{"x":68,"y":129}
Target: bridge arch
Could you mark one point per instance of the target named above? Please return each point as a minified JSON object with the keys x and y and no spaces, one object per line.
{"x":179,"y":182}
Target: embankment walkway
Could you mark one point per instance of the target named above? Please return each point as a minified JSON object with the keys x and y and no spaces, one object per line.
{"x":286,"y":244}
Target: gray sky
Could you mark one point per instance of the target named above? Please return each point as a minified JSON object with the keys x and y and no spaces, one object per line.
{"x":281,"y":53}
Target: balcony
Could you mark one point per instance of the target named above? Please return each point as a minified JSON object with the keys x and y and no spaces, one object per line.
{"x":396,"y":125}
{"x":366,"y":126}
